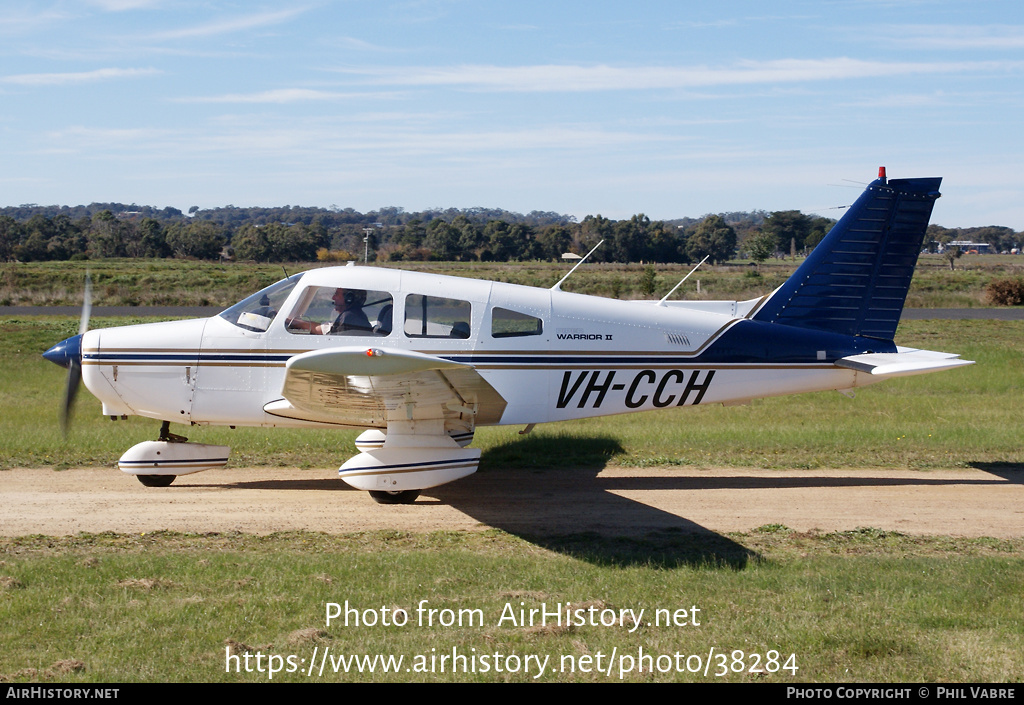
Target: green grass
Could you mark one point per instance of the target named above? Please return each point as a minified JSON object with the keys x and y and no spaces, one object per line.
{"x":142,"y":282}
{"x":852,"y":607}
{"x":859,"y":606}
{"x":134,"y":282}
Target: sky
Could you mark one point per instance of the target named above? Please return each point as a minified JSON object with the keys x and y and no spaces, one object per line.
{"x":670,"y":109}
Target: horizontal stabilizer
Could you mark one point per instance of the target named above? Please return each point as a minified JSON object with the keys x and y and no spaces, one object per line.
{"x":902,"y":364}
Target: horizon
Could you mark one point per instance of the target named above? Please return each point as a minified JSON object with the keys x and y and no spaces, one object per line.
{"x":438,"y":209}
{"x":442,"y":210}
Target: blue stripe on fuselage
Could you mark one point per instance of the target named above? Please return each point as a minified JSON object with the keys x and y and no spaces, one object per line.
{"x":746,"y":342}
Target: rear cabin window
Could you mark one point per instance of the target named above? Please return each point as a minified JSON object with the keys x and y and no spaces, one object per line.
{"x":512,"y":324}
{"x":437,"y":317}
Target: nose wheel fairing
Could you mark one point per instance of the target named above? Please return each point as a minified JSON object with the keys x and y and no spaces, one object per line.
{"x":172,"y":458}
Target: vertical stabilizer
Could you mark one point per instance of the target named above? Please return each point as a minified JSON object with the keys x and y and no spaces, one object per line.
{"x":855,"y":281}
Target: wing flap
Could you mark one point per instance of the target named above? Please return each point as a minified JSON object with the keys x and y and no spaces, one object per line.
{"x":904,"y":363}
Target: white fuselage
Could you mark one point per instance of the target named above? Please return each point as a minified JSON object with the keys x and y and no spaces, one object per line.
{"x":587,"y":356}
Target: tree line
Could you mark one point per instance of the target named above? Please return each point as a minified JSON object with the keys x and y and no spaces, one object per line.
{"x":291,"y":233}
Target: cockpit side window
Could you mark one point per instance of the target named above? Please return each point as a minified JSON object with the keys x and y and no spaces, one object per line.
{"x":506,"y":323}
{"x":258,"y":311}
{"x":437,"y":317}
{"x":329,"y":310}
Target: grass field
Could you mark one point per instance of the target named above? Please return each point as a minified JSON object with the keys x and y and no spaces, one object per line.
{"x":852,"y":607}
{"x":189,"y":283}
{"x":857,"y":606}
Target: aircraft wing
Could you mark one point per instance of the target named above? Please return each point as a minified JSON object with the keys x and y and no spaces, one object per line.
{"x":366,"y":388}
{"x":905,"y":362}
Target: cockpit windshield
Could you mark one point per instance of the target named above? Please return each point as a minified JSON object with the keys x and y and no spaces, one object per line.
{"x":257,"y":312}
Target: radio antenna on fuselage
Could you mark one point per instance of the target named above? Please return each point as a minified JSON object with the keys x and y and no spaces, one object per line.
{"x":662,"y":302}
{"x":558,"y":286}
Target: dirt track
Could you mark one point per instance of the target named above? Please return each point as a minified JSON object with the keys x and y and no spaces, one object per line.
{"x":613,"y":501}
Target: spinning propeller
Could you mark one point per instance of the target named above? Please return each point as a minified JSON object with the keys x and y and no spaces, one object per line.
{"x":68,"y":353}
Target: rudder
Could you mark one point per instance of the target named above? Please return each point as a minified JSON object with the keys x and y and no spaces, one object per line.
{"x":856,"y":280}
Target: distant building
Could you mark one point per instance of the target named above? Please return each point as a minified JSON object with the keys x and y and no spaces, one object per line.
{"x":967,"y":247}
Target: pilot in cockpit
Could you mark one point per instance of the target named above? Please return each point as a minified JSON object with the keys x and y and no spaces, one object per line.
{"x":351,"y":320}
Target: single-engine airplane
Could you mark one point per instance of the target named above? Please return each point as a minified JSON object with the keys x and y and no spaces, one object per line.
{"x":421,"y":360}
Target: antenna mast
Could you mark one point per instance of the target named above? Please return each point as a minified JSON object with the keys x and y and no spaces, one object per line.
{"x":662,"y":302}
{"x":558,"y":286}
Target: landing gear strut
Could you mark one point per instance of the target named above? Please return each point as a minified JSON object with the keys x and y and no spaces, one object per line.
{"x":162,"y":480}
{"x":166,"y":435}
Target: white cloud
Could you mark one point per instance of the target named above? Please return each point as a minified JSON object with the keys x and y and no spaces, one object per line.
{"x":280,"y":96}
{"x":110,"y":142}
{"x":360,"y":44}
{"x":569,"y":78}
{"x":122,"y":5}
{"x":98,"y":135}
{"x":14,"y":22}
{"x":374,"y":134}
{"x":56,"y":79}
{"x":991,"y":37}
{"x":232,"y":24}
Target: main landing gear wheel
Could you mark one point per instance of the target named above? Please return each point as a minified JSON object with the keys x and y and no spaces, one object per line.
{"x":403,"y":497}
{"x":156,"y":480}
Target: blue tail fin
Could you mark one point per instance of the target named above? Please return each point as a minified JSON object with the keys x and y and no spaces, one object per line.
{"x":856,"y":280}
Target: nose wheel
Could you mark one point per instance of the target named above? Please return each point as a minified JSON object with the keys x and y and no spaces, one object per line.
{"x":401,"y":497}
{"x":156,"y":480}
